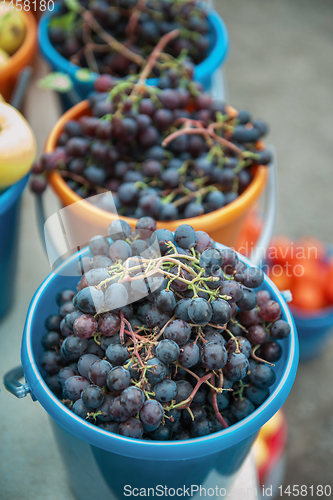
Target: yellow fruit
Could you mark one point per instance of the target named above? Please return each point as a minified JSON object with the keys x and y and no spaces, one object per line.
{"x":3,"y":57}
{"x":12,"y":29}
{"x":17,"y":146}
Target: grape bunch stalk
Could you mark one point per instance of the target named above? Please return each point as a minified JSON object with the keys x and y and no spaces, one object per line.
{"x":166,"y":345}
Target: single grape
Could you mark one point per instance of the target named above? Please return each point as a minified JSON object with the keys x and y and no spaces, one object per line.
{"x":74,"y":386}
{"x":239,"y":344}
{"x":118,"y":379}
{"x":166,"y":301}
{"x":116,"y":296}
{"x":165,"y":391}
{"x":99,"y":371}
{"x":213,"y":355}
{"x":117,"y":410}
{"x":89,"y":300}
{"x":84,"y":364}
{"x":117,"y":354}
{"x":280,"y":329}
{"x":178,"y":330}
{"x":221,"y":311}
{"x":189,"y":355}
{"x":109,"y":324}
{"x":253,"y":277}
{"x":131,"y":428}
{"x":92,"y":396}
{"x":200,"y":428}
{"x":262,"y":376}
{"x":256,"y":334}
{"x":242,"y":408}
{"x":151,"y":415}
{"x":51,"y":340}
{"x":200,"y":311}
{"x":167,"y":351}
{"x":255,"y":395}
{"x":185,"y":236}
{"x":156,"y":371}
{"x":51,"y":362}
{"x":248,"y":300}
{"x":73,"y":347}
{"x":132,"y":399}
{"x":236,"y":367}
{"x":85,"y":326}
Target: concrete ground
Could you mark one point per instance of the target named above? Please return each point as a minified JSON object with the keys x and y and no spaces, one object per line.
{"x":280,"y":68}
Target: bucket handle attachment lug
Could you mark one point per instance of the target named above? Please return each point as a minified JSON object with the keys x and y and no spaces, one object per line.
{"x":12,"y":384}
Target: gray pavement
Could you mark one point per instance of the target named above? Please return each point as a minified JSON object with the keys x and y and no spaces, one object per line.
{"x":280,"y":68}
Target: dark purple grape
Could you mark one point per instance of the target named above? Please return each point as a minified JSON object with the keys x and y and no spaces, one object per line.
{"x":89,"y":300}
{"x":270,"y":311}
{"x":73,"y":347}
{"x":74,"y":386}
{"x":236,"y":367}
{"x":255,"y":395}
{"x":262,"y":376}
{"x":163,"y":236}
{"x":81,"y":410}
{"x":109,"y":324}
{"x":181,"y":311}
{"x":156,"y":371}
{"x":151,"y":415}
{"x":189,"y":355}
{"x":52,"y":323}
{"x":253,"y":277}
{"x":179,"y":331}
{"x":248,"y":300}
{"x":118,"y":379}
{"x":99,"y":371}
{"x":200,"y":311}
{"x":132,"y":399}
{"x":256,"y":335}
{"x":84,"y":364}
{"x":116,"y":296}
{"x":131,"y":428}
{"x":213,"y":355}
{"x":117,"y":410}
{"x":185,"y":236}
{"x":167,"y":351}
{"x":249,"y":318}
{"x":85,"y":326}
{"x":128,"y":193}
{"x":145,"y":227}
{"x":92,"y":396}
{"x":232,"y":289}
{"x":155,"y":317}
{"x":221,"y":311}
{"x":242,"y":408}
{"x":117,"y":354}
{"x":119,"y":230}
{"x":165,"y":391}
{"x":51,"y":362}
{"x":51,"y":340}
{"x":280,"y":329}
{"x":166,"y":301}
{"x":167,"y":212}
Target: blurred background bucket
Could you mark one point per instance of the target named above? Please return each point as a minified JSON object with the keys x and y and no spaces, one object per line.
{"x":314,"y":330}
{"x":203,"y":71}
{"x":23,"y":56}
{"x":10,"y":201}
{"x":101,"y":464}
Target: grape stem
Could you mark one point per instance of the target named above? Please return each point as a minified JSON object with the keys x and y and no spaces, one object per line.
{"x":254,"y":356}
{"x":124,"y":322}
{"x":215,"y":405}
{"x":109,"y":39}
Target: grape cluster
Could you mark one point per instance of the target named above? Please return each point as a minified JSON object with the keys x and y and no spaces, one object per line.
{"x":167,"y":153}
{"x":167,"y":343}
{"x":138,"y":26}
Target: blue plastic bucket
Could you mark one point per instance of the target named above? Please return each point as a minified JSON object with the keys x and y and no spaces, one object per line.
{"x":313,"y":331}
{"x":9,"y":232}
{"x":101,"y":464}
{"x":219,"y":42}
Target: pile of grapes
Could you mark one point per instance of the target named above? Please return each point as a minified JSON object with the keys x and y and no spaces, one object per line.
{"x":165,"y":337}
{"x":116,"y":36}
{"x":167,"y":153}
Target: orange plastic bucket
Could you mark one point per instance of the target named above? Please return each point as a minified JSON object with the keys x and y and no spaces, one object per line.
{"x":22,"y":57}
{"x":223,"y":225}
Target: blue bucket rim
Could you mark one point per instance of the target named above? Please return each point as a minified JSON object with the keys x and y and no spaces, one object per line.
{"x":205,"y":69}
{"x":172,"y":450}
{"x":12,"y":194}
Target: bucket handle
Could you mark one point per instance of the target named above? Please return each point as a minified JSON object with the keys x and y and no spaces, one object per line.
{"x":12,"y":384}
{"x":259,"y":252}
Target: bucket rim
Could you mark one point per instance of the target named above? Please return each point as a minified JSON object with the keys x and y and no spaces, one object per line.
{"x":151,"y":450}
{"x":214,"y":59}
{"x":12,"y":194}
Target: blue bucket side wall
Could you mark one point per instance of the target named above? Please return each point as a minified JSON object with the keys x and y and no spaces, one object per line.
{"x":91,"y":470}
{"x":10,"y":208}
